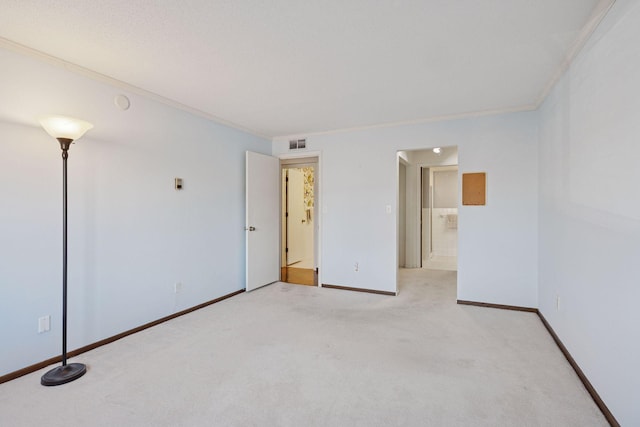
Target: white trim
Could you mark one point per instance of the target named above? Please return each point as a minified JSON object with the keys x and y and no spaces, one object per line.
{"x":397,"y":209}
{"x":574,"y":50}
{"x":442,"y":118}
{"x":77,"y":69}
{"x":301,"y":154}
{"x":443,"y":168}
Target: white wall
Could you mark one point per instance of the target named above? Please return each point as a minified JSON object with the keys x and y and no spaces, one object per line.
{"x":498,"y":242}
{"x":445,"y":188}
{"x":445,"y":235}
{"x":590,"y":210}
{"x":131,"y":235}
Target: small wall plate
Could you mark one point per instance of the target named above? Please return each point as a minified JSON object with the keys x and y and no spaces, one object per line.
{"x":122,"y":102}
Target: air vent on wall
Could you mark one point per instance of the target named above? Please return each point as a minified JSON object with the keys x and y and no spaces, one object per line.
{"x":296,"y":144}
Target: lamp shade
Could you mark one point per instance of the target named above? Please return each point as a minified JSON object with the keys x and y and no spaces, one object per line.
{"x":64,"y":127}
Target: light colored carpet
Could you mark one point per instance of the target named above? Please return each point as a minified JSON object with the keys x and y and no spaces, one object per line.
{"x":288,"y":355}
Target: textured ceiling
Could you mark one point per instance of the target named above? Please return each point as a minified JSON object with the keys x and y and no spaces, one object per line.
{"x":285,"y":67}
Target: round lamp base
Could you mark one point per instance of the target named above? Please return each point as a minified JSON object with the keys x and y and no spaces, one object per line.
{"x":63,"y":374}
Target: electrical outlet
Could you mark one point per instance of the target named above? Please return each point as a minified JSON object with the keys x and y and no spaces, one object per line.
{"x":44,"y":324}
{"x":356,"y":267}
{"x":177,"y":287}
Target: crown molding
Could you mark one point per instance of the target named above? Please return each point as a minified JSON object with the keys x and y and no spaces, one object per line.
{"x":77,"y":69}
{"x":441,"y":118}
{"x":576,"y":48}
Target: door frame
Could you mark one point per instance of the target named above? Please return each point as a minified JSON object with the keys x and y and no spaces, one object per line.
{"x":401,"y":237}
{"x":313,"y":158}
{"x":418,"y":185}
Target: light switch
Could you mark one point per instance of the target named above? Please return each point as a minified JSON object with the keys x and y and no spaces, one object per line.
{"x":388,"y":208}
{"x":44,"y":324}
{"x":178,"y":183}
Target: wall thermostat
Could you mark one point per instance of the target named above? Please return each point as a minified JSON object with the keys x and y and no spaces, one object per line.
{"x":178,"y":183}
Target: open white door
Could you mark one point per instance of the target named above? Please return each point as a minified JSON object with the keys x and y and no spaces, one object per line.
{"x":262,"y":227}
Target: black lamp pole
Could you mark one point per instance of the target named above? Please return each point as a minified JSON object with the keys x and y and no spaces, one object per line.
{"x":67,"y":372}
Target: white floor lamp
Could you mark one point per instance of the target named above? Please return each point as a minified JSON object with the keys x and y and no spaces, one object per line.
{"x":65,"y":130}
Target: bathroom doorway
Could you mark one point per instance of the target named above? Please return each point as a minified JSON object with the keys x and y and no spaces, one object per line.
{"x":428,"y":194}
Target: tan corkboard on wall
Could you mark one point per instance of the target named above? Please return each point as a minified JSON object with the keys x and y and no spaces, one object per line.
{"x":474,"y":188}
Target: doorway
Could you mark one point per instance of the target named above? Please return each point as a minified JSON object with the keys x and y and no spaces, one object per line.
{"x":427,"y":200}
{"x":427,"y":197}
{"x":298,"y":222}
